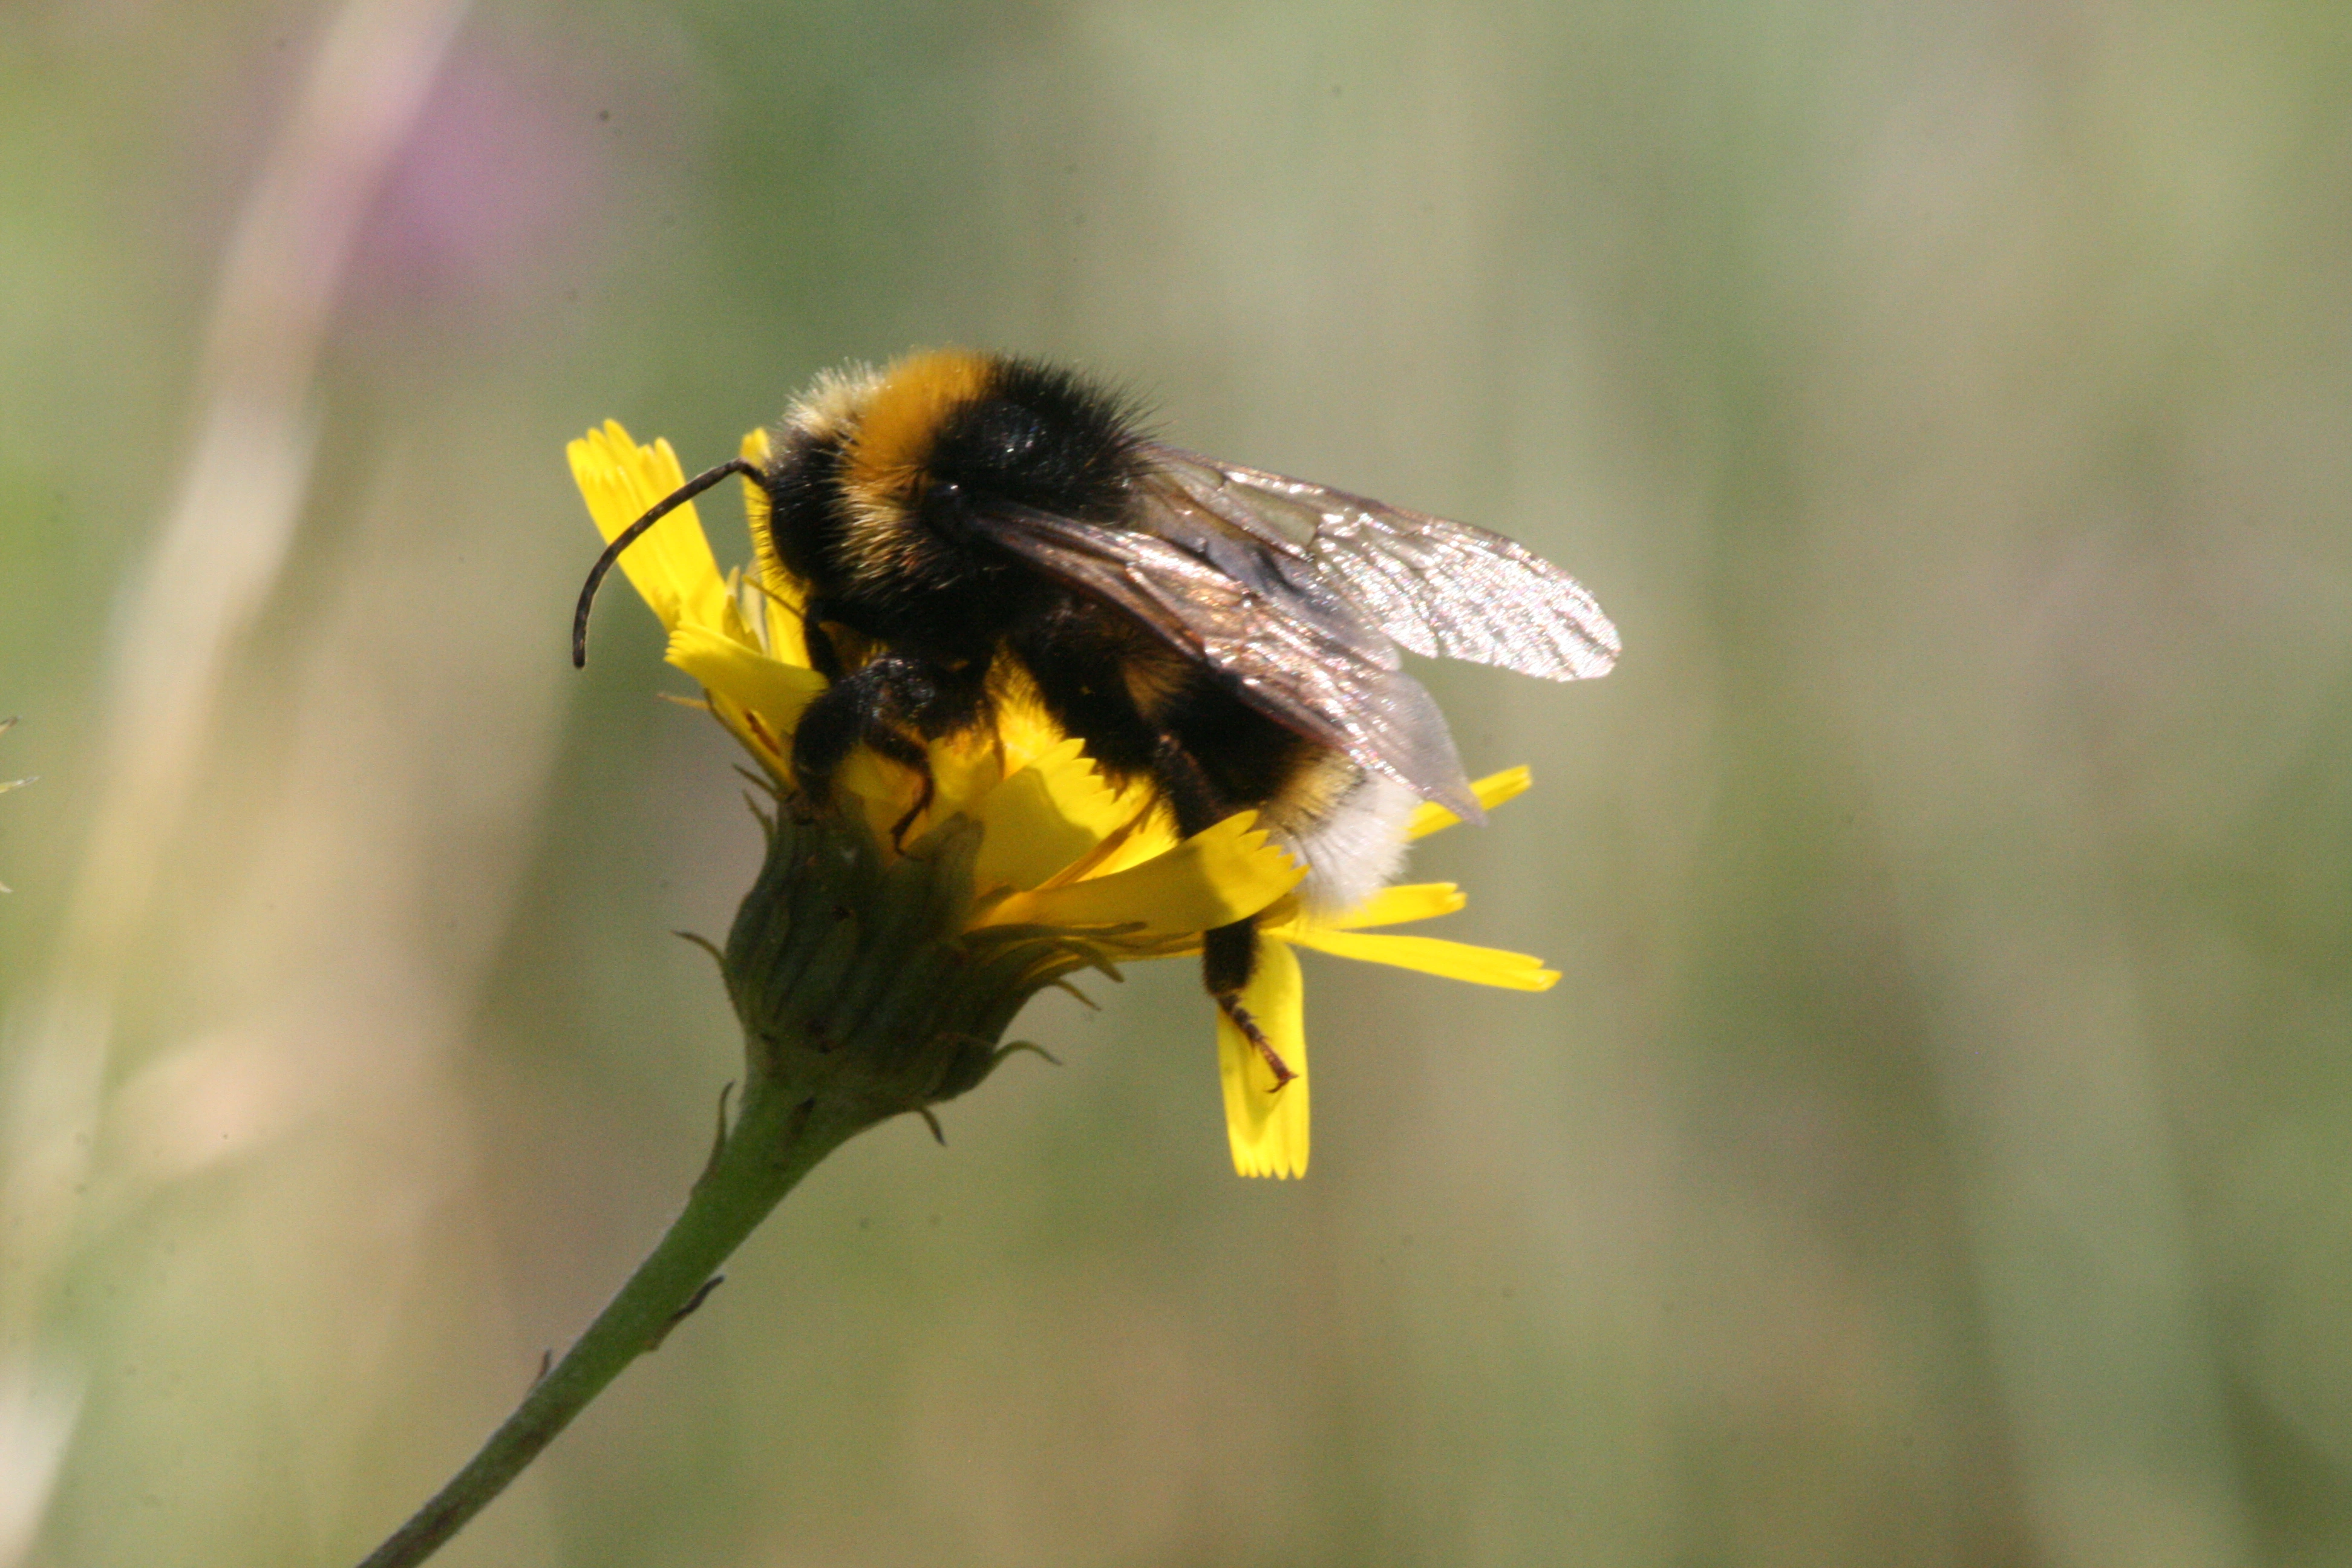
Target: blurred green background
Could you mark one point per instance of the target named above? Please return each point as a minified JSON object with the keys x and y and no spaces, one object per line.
{"x":1939,"y":1149}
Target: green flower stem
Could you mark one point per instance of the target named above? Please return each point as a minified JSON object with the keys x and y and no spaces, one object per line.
{"x":864,"y":994}
{"x":773,"y":1143}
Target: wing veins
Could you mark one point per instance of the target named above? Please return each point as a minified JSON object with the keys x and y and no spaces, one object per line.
{"x":1435,"y":586}
{"x":1297,"y":652}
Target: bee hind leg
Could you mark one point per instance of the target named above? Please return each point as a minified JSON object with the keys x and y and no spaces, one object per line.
{"x":1283,"y":1072}
{"x":1228,"y":959}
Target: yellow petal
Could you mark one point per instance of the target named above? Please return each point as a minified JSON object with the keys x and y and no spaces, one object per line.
{"x":1394,"y":906}
{"x":770,"y":749}
{"x":1044,"y":817}
{"x":1492,"y":791}
{"x":787,"y":631}
{"x":1079,"y":791}
{"x":1143,"y":834}
{"x":1433,"y":955}
{"x":1025,"y":839}
{"x":769,"y":688}
{"x":964,"y":770}
{"x":885,"y":791}
{"x":1266,"y":1126}
{"x":671,"y":567}
{"x":1025,"y":732}
{"x":1212,"y":878}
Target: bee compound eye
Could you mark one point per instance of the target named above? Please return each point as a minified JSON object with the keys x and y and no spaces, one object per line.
{"x":945,"y":501}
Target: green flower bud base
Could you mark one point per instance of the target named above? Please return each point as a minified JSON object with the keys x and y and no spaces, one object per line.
{"x":859,"y":978}
{"x":865,"y":993}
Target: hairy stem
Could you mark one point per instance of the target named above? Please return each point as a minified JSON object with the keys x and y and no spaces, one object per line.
{"x":774,"y":1142}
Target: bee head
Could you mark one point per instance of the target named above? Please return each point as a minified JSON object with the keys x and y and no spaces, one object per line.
{"x":948,"y":429}
{"x":889,"y":460}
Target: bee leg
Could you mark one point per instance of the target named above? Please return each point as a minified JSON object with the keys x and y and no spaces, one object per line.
{"x":922,"y":804}
{"x":1283,"y":1072}
{"x":1229,"y":952}
{"x":824,"y":657}
{"x":940,"y":700}
{"x":862,"y":709}
{"x":1122,"y":739}
{"x":1228,"y":959}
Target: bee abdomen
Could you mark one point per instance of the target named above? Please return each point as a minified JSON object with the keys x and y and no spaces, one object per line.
{"x":1347,"y":825}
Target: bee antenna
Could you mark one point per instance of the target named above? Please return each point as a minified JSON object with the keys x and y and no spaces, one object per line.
{"x":629,"y":535}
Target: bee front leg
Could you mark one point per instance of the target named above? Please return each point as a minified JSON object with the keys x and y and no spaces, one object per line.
{"x":824,"y":657}
{"x":866,"y":707}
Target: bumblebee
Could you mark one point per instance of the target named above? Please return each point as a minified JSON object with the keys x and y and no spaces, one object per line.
{"x":968,"y":522}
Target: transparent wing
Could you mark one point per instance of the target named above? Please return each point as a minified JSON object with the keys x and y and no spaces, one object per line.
{"x":1295,"y":649}
{"x":1438,"y":587}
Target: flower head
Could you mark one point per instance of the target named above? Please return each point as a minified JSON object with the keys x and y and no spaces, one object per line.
{"x":1045,"y":866}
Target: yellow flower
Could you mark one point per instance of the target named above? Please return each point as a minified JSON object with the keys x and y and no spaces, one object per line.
{"x":1060,"y":847}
